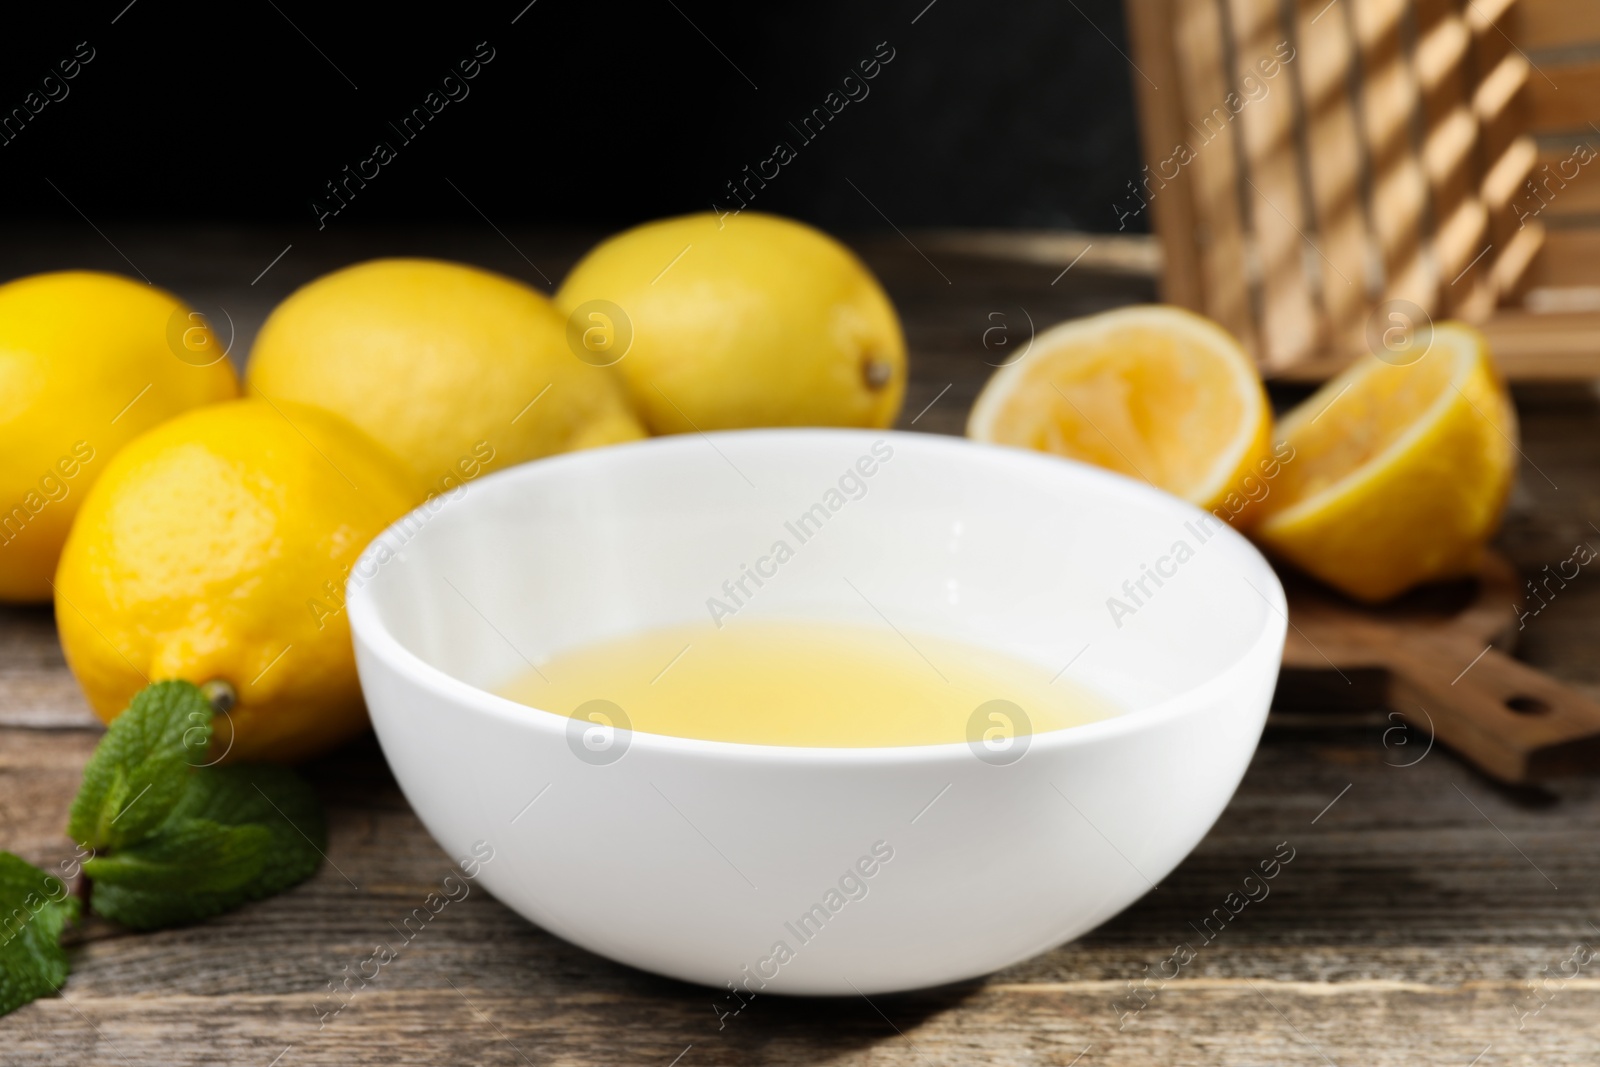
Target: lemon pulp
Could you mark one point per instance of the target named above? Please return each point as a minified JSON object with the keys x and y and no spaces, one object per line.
{"x":1152,"y":392}
{"x":1395,"y":474}
{"x":770,"y":682}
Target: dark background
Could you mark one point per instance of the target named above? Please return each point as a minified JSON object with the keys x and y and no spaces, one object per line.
{"x":596,"y":113}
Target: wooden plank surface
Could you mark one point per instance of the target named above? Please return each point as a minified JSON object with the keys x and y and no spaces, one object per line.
{"x":1564,"y":97}
{"x":1291,"y":320}
{"x":1565,"y":186}
{"x":1227,"y":273}
{"x":1334,"y":161}
{"x":1557,"y":24}
{"x":1414,"y":925}
{"x":1161,"y":130}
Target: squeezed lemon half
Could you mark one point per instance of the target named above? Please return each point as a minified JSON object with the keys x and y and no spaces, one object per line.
{"x":1396,"y":474}
{"x":1154,"y":392}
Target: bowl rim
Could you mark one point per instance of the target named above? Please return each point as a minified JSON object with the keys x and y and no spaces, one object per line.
{"x":368,"y":629}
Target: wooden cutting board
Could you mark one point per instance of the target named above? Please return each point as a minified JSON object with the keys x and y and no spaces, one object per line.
{"x":1444,"y":652}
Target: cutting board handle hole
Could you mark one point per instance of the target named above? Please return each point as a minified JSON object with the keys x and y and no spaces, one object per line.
{"x":1525,"y":705}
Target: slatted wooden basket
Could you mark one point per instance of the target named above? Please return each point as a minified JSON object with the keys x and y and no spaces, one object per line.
{"x":1310,"y":161}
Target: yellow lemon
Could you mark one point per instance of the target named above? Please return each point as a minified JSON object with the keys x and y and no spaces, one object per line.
{"x":1396,"y":473}
{"x":215,"y":548}
{"x":452,"y":367}
{"x":746,"y":320}
{"x":1153,"y":392}
{"x":88,"y":362}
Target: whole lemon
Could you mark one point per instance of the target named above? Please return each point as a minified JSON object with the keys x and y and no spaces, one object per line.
{"x":215,"y":548}
{"x":452,"y":367}
{"x":88,"y":362}
{"x":749,"y":320}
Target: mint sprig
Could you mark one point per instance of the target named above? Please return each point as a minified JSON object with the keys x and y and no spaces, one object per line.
{"x":140,"y":768}
{"x":238,"y":834}
{"x":34,"y":908}
{"x":173,"y":841}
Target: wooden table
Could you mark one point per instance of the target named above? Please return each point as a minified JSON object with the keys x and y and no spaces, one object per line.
{"x":1425,"y":918}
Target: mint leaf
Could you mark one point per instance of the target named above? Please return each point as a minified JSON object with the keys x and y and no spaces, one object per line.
{"x":141,"y":767}
{"x":34,"y":907}
{"x":175,"y":842}
{"x":187,"y":854}
{"x":237,"y":834}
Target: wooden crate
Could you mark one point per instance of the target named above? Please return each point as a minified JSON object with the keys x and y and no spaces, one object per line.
{"x":1315,"y":168}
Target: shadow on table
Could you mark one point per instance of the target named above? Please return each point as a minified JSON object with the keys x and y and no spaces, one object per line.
{"x":822,"y":1026}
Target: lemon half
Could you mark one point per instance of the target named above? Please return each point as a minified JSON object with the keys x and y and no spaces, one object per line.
{"x":1396,"y":474}
{"x":1153,"y":392}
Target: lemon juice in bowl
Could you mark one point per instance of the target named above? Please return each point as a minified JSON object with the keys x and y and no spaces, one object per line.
{"x":805,"y":683}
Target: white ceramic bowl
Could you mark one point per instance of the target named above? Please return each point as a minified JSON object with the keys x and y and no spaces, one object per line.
{"x":916,"y":865}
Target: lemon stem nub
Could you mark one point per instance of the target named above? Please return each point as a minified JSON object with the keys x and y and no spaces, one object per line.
{"x":876,"y":372}
{"x":221,"y":694}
